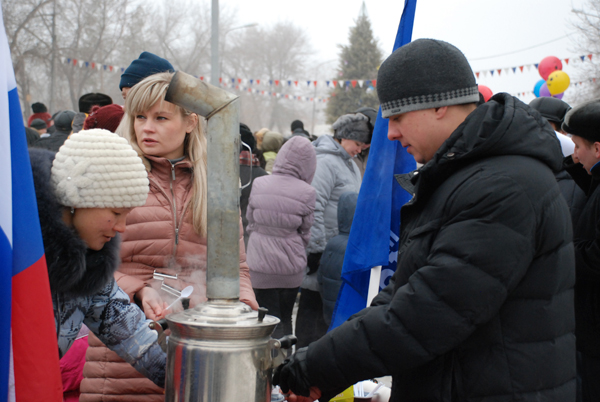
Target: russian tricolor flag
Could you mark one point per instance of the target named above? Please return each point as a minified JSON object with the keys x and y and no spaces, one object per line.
{"x":380,"y":199}
{"x":29,"y":367}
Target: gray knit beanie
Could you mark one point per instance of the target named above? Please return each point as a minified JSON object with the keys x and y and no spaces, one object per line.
{"x":353,"y":126}
{"x":98,"y":169}
{"x":425,"y":74}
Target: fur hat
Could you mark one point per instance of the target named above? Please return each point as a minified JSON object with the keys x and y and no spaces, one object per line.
{"x":87,"y":101}
{"x":425,"y":74}
{"x":107,"y":117}
{"x":584,"y":121}
{"x":552,"y":109}
{"x":98,"y":169}
{"x":353,"y":126}
{"x":39,"y":107}
{"x":144,"y":66}
{"x":38,"y":124}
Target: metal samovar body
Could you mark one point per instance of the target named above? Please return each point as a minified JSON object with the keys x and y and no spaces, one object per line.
{"x":221,"y":350}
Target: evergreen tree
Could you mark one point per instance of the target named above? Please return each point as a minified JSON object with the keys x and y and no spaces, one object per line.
{"x":358,"y":61}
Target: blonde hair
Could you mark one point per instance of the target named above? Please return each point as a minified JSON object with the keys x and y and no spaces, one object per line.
{"x":142,"y":97}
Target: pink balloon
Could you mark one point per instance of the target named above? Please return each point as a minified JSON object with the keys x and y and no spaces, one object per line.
{"x":544,"y":91}
{"x":548,"y":65}
{"x":486,"y":92}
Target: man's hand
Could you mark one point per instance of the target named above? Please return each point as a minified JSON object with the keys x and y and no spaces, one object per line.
{"x":152,"y":304}
{"x":292,"y":375}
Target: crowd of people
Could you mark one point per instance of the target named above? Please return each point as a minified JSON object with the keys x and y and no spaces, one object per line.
{"x":495,"y":292}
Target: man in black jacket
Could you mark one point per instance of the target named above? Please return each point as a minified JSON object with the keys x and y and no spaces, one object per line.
{"x":481,"y":305}
{"x":583,"y":123}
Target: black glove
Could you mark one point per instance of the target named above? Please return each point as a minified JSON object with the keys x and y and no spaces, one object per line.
{"x":293,"y":374}
{"x":312,"y":261}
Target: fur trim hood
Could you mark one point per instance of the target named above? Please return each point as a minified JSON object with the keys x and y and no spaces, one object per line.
{"x":72,"y":267}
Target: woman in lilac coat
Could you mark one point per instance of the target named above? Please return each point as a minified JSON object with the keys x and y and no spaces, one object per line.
{"x":280,"y":214}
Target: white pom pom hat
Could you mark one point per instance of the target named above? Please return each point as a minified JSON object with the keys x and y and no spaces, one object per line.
{"x":98,"y":169}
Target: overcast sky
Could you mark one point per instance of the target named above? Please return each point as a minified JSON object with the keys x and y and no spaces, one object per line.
{"x":492,"y":34}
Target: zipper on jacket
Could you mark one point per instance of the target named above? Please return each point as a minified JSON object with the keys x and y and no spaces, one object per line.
{"x":174,"y":207}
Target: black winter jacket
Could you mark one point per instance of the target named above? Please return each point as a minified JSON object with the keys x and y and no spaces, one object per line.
{"x":481,"y":305}
{"x":332,"y":261}
{"x":587,"y":254}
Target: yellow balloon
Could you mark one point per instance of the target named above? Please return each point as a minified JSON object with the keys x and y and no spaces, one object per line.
{"x":558,"y":82}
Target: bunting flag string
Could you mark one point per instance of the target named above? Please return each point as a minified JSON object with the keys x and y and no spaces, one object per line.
{"x":330,"y":84}
{"x":575,"y":84}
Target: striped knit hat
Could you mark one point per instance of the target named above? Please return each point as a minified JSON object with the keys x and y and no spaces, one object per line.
{"x":425,"y":74}
{"x":98,"y":169}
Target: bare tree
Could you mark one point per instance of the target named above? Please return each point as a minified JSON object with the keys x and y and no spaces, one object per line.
{"x":278,"y":52}
{"x":587,"y":23}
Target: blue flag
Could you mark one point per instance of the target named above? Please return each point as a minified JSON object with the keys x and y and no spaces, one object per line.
{"x":375,"y":230}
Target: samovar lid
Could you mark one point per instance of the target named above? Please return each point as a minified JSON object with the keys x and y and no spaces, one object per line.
{"x":222,"y":319}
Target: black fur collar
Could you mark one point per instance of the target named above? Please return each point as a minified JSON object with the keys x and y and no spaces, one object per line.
{"x":72,"y":267}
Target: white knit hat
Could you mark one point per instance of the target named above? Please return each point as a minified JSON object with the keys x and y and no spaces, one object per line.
{"x":98,"y":169}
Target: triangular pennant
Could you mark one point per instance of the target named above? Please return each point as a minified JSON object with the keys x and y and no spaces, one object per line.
{"x":582,"y":58}
{"x":87,"y":64}
{"x":506,"y":70}
{"x":296,"y":82}
{"x":104,"y":67}
{"x":347,"y":83}
{"x":315,"y":82}
{"x":374,"y":82}
{"x":477,"y":74}
{"x":536,"y":65}
{"x":289,"y":83}
{"x":110,"y":68}
{"x":251,"y":81}
{"x":93,"y":66}
{"x":276,"y":82}
{"x":270,"y":82}
{"x":514,"y":70}
{"x":233,"y":81}
{"x":201,"y":78}
{"x":307,"y":83}
{"x":529,"y":67}
{"x":492,"y":72}
{"x":353,"y":82}
{"x":68,"y":61}
{"x":327,"y":83}
{"x":122,"y":70}
{"x":499,"y":71}
{"x":257,"y":82}
{"x":521,"y":68}
{"x":360,"y":83}
{"x":567,"y":61}
{"x":74,"y":62}
{"x":239,"y":80}
{"x":590,"y":56}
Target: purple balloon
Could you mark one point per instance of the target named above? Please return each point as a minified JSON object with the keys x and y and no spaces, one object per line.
{"x":544,"y":91}
{"x":558,"y":96}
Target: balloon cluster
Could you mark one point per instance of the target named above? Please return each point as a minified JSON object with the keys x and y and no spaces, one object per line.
{"x":555,"y":81}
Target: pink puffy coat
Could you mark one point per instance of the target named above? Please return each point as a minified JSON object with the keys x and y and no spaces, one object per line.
{"x":280,"y":214}
{"x":159,"y":236}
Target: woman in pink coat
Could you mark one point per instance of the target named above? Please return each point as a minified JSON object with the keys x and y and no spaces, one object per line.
{"x":167,"y":234}
{"x":280,"y":214}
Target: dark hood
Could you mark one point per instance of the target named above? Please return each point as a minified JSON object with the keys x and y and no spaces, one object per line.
{"x":502,"y":126}
{"x":72,"y":267}
{"x":345,"y":212}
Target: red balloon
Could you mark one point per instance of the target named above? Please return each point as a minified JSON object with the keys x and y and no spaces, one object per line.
{"x":549,"y":65}
{"x":485,"y":92}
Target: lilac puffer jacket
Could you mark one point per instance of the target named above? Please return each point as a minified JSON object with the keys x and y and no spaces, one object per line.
{"x":280,"y":214}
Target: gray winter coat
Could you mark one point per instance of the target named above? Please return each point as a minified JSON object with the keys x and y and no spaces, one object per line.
{"x":336,"y":174}
{"x":280,"y":214}
{"x":83,"y":288}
